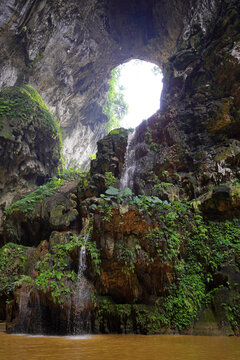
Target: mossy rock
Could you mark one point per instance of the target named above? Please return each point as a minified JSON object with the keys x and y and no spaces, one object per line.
{"x":32,"y":219}
{"x":30,"y":142}
{"x":21,"y":107}
{"x":128,"y":318}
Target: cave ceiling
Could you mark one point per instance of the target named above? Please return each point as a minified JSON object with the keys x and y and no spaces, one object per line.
{"x":67,"y":50}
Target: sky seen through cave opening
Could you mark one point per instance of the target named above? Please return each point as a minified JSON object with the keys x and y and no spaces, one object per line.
{"x":142,"y":82}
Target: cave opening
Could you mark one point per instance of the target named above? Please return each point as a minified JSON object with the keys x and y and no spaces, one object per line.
{"x":140,"y":82}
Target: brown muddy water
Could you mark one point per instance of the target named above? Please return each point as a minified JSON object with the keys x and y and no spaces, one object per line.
{"x":119,"y":347}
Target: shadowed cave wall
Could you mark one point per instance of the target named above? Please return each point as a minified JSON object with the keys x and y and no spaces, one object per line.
{"x":66,"y":51}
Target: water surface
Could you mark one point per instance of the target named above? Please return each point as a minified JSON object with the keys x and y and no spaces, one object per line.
{"x":119,"y":347}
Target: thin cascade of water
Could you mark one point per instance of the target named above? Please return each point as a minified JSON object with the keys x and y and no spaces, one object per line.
{"x":82,"y":264}
{"x":23,"y":316}
{"x":81,"y":292}
{"x":129,"y":163}
{"x":30,"y":312}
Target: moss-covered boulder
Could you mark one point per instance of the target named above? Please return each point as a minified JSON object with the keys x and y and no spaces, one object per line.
{"x":50,"y":207}
{"x":30,"y":142}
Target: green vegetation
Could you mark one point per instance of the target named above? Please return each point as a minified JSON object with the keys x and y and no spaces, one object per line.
{"x":116,"y":107}
{"x":194,"y":247}
{"x":13,"y":261}
{"x":29,"y":202}
{"x":233,"y":314}
{"x":23,"y":106}
{"x":109,"y":178}
{"x":54,"y":271}
{"x":114,"y":197}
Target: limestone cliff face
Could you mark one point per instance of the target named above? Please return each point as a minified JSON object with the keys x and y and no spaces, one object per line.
{"x":195,"y":137}
{"x":67,"y":50}
{"x":29,"y":143}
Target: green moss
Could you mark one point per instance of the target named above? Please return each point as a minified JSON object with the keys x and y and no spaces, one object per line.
{"x":28,"y":203}
{"x":115,"y":132}
{"x":54,"y":272}
{"x":13,"y":259}
{"x":233,"y":314}
{"x":53,"y":269}
{"x":22,"y":106}
{"x":236,"y":191}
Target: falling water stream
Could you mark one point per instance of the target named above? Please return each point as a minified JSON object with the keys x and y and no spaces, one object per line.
{"x":81,"y":293}
{"x":82,"y":258}
{"x":129,"y":163}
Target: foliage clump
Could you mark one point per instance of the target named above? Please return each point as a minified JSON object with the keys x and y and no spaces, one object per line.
{"x":13,"y":259}
{"x":116,"y":107}
{"x":195,"y":248}
{"x":54,"y":270}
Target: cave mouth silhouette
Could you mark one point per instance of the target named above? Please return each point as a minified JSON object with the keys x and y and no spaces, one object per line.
{"x":142,"y":87}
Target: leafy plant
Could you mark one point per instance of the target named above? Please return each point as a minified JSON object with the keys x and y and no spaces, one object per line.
{"x":110,"y":179}
{"x":116,"y":107}
{"x":12,"y":266}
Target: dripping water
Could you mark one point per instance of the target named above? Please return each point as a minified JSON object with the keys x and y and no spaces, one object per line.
{"x":30,"y":312}
{"x":81,"y":294}
{"x":129,"y":168}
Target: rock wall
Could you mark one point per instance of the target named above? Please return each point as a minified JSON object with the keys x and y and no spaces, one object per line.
{"x":67,"y":52}
{"x":195,"y":137}
{"x":30,"y":143}
{"x":152,"y":265}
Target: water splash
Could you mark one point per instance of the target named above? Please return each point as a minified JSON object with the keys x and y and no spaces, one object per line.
{"x":127,"y":177}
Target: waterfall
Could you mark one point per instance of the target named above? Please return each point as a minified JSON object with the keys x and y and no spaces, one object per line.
{"x":82,"y":259}
{"x":81,"y":294}
{"x":24,"y":315}
{"x":129,"y":163}
{"x":30,"y":312}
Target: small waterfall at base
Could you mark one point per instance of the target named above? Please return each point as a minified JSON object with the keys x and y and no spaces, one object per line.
{"x":129,"y":163}
{"x":30,"y":313}
{"x":24,"y":315}
{"x":81,"y":295}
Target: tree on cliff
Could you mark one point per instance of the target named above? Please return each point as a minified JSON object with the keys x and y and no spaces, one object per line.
{"x":116,"y":107}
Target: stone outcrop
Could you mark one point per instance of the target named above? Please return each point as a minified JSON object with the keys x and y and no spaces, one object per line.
{"x":110,"y":154}
{"x":29,"y":226}
{"x":29,"y":143}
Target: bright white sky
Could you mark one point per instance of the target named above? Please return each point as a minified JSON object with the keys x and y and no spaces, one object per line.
{"x":142,"y":91}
